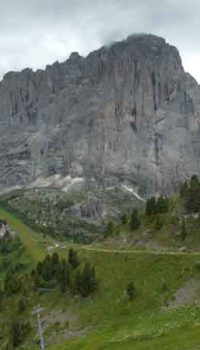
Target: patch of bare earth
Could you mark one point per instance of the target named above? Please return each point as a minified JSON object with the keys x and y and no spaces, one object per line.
{"x":62,"y":326}
{"x":186,"y":295}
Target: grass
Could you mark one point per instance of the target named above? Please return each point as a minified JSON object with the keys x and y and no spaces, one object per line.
{"x":30,"y":239}
{"x":119,"y":324}
{"x":109,"y":321}
{"x":173,"y":330}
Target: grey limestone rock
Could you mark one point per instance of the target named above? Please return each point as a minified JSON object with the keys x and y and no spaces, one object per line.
{"x":127,"y":113}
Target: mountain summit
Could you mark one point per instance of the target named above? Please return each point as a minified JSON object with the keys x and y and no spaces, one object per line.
{"x":127,"y":114}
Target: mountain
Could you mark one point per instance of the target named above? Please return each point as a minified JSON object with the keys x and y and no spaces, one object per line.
{"x":126,"y":114}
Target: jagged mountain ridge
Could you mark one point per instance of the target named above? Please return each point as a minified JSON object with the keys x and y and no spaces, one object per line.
{"x":125,"y":114}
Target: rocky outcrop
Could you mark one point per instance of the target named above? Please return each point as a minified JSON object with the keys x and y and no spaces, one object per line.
{"x":5,"y":231}
{"x":125,"y":114}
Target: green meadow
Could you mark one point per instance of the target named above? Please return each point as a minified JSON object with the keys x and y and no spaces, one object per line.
{"x":109,"y":320}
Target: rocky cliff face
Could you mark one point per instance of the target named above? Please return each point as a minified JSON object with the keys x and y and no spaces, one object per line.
{"x":125,"y":114}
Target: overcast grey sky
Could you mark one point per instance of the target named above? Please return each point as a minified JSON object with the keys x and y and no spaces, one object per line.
{"x":38,"y":32}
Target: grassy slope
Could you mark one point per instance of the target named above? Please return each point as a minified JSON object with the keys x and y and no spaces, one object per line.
{"x":31,"y":240}
{"x":171,"y":331}
{"x":140,"y":323}
{"x":117,"y":323}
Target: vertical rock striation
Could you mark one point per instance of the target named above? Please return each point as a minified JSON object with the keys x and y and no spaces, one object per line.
{"x":127,"y":113}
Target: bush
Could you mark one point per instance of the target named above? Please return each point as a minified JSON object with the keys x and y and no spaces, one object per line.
{"x":131,"y":292}
{"x":164,"y":286}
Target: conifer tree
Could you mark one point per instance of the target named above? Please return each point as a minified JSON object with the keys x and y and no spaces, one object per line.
{"x":183,"y":230}
{"x":151,"y":206}
{"x":191,"y":195}
{"x":162,"y":204}
{"x":184,"y":189}
{"x":86,"y":281}
{"x":73,"y":258}
{"x":135,"y":220}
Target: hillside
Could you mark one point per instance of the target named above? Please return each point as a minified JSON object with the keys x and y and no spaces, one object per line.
{"x":162,"y":310}
{"x":103,"y":217}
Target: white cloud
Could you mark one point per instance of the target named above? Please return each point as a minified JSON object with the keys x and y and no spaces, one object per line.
{"x":38,"y":32}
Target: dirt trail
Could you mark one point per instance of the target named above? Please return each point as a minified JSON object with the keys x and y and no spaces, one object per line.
{"x":139,"y":251}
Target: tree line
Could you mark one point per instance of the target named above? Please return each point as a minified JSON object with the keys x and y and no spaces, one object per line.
{"x":154,"y":207}
{"x":54,"y":272}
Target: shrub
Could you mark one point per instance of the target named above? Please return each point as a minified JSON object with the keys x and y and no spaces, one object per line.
{"x":131,"y":291}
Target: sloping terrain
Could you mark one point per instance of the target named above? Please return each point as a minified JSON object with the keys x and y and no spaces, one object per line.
{"x":109,"y":320}
{"x":82,"y":216}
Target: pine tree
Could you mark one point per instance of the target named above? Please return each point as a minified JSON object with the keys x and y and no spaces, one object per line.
{"x":191,"y":195}
{"x":47,"y":271}
{"x":73,"y":258}
{"x":183,"y":230}
{"x":163,"y":204}
{"x":184,"y":189}
{"x":55,"y":259}
{"x":151,"y":206}
{"x":55,"y":264}
{"x":64,"y":275}
{"x":134,"y":221}
{"x":86,"y":281}
{"x":194,"y":194}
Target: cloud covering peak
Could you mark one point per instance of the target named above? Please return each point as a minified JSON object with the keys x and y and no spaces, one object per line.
{"x":38,"y":32}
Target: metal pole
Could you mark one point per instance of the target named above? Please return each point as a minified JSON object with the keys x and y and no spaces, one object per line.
{"x":40,"y":332}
